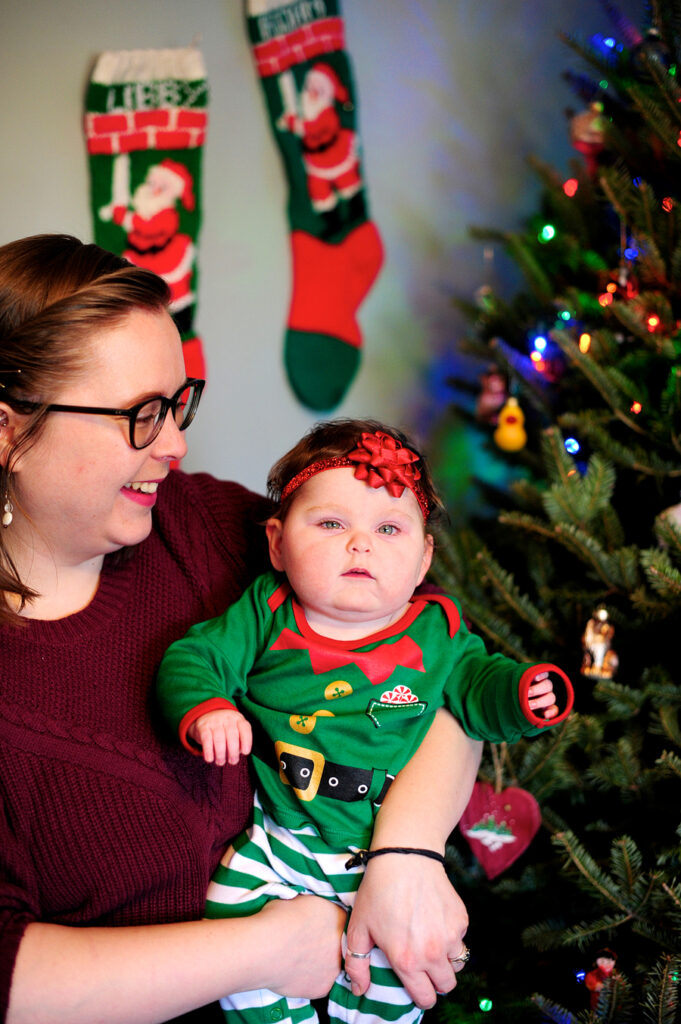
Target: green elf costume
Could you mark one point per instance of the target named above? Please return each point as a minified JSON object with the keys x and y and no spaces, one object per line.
{"x":333,"y":723}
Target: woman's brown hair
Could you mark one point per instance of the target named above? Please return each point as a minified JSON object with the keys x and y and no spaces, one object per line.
{"x":55,"y":291}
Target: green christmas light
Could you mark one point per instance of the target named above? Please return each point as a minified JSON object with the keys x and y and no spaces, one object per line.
{"x":603,"y":84}
{"x":485,"y":1005}
{"x":547,"y":233}
{"x":564,"y":314}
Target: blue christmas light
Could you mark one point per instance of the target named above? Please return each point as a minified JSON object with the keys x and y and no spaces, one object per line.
{"x":631,"y":254}
{"x":580,"y":976}
{"x":572,"y":445}
{"x":540,"y":343}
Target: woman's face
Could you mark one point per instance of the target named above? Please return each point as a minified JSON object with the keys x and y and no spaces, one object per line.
{"x":74,"y":484}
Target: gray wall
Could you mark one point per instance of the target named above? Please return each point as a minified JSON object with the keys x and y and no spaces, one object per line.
{"x":453,"y":96}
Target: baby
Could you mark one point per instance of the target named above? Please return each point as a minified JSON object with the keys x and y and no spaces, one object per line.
{"x":338,"y":666}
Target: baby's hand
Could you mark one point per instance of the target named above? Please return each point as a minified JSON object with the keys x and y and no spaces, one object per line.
{"x":222,"y":735}
{"x":540,"y":695}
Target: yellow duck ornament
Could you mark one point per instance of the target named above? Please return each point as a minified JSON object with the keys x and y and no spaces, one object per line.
{"x":510,"y":434}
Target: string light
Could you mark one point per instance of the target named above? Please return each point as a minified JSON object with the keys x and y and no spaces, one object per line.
{"x":653,"y":322}
{"x":572,"y":445}
{"x":667,"y":204}
{"x":485,"y":1005}
{"x":584,"y":342}
{"x":636,"y":408}
{"x":631,"y":254}
{"x":540,"y":343}
{"x":570,"y":187}
{"x":547,"y":233}
{"x":605,"y":299}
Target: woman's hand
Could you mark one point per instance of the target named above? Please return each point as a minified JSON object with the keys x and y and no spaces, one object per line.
{"x":310,"y":961}
{"x":407,"y":906}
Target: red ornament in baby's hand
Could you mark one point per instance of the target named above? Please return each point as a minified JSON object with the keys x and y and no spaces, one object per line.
{"x":499,"y":826}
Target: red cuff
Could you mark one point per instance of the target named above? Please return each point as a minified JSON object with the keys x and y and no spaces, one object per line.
{"x":213,"y":704}
{"x":564,"y":699}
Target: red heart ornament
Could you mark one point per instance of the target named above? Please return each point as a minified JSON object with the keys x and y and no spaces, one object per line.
{"x":499,"y":826}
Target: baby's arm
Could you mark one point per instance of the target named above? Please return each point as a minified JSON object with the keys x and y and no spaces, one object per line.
{"x":223,"y":735}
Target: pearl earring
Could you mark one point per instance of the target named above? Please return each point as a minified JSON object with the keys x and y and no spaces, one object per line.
{"x":7,"y":513}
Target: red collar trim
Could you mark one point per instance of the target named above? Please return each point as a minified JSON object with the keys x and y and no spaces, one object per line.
{"x":417,"y":603}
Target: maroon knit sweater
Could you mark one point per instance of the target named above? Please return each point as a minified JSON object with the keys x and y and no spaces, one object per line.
{"x":104,"y":819}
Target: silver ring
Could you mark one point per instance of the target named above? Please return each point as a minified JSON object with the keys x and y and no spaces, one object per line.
{"x":463,"y":957}
{"x":358,"y":956}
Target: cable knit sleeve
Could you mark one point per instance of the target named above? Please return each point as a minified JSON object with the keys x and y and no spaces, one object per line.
{"x":18,"y":900}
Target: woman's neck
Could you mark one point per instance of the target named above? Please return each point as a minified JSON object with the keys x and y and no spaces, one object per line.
{"x":62,"y":588}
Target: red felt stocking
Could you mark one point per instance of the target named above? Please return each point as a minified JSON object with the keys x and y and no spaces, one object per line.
{"x":336,"y":250}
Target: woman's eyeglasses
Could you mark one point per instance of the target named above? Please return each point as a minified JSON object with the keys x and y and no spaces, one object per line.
{"x":145,"y":419}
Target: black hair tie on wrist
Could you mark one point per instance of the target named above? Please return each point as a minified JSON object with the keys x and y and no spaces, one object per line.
{"x":364,"y":856}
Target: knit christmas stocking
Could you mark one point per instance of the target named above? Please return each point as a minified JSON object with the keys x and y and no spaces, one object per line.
{"x":336,"y":250}
{"x":145,"y":127}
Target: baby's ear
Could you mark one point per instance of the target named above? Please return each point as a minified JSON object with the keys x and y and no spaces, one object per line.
{"x":274,"y":528}
{"x":429,"y":547}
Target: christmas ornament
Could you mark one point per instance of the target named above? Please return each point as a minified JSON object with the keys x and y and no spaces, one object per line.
{"x":599,"y":660}
{"x":587,"y":135}
{"x":492,"y":396}
{"x":336,"y":250}
{"x":145,"y":128}
{"x":499,"y":826}
{"x":510,"y":434}
{"x":604,"y":968}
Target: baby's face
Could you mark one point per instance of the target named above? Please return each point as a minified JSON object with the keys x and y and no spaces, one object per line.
{"x":353,"y":554}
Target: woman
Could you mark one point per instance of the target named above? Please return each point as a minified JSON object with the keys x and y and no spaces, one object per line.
{"x":105,"y":558}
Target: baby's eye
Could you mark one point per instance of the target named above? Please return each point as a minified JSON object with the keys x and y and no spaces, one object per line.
{"x":330,"y":524}
{"x":388,"y":528}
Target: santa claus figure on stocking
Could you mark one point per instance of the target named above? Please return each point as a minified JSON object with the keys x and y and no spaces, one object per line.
{"x":330,"y":151}
{"x":151,"y":220}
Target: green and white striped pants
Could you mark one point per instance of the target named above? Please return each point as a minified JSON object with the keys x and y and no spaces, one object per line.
{"x":271,"y":862}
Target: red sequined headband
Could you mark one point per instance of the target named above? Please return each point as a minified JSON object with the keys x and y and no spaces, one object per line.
{"x":380,"y":460}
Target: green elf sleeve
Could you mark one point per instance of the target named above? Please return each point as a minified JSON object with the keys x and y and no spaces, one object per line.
{"x":208,"y":667}
{"x":488,"y":693}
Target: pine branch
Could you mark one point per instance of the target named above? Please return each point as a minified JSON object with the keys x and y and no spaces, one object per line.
{"x":591,"y":873}
{"x":670,"y":762}
{"x":558,"y":1014}
{"x":662,"y":992}
{"x":661,"y":574}
{"x":601,"y":378}
{"x":633,"y":457}
{"x":579,"y":499}
{"x":503,"y":584}
{"x":622,"y":701}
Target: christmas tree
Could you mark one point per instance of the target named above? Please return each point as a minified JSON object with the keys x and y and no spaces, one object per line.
{"x":580,"y":563}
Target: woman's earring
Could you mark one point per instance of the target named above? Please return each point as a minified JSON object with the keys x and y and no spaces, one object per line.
{"x":7,"y":513}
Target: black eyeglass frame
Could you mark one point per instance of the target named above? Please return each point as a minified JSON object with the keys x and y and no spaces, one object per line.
{"x":131,"y":414}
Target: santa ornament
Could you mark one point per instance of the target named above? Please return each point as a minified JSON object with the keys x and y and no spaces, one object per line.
{"x":336,"y":252}
{"x":587,"y":135}
{"x":145,"y":128}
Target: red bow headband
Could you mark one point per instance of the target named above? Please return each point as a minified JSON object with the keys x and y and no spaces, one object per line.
{"x":380,"y":460}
